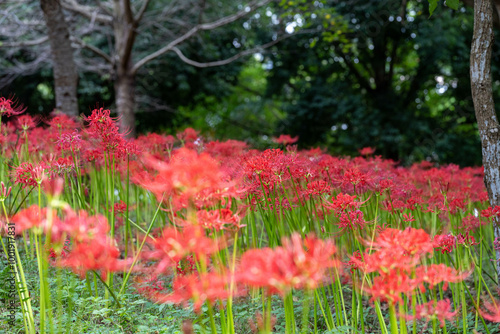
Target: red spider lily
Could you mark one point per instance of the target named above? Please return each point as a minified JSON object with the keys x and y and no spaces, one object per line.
{"x":316,"y":188}
{"x":408,"y":218}
{"x":81,"y":226}
{"x":61,"y":166}
{"x":440,"y":310}
{"x":343,"y":202}
{"x":174,"y":245}
{"x":391,"y":286}
{"x":491,"y":212}
{"x":53,"y":187}
{"x":62,"y":122}
{"x":285,"y":139}
{"x":155,"y":144}
{"x":351,"y":220}
{"x":228,"y":148}
{"x":199,"y":288}
{"x":97,"y":254}
{"x":4,"y":191}
{"x":70,"y":141}
{"x":298,"y":264}
{"x":471,"y":222}
{"x":366,"y":151}
{"x":103,"y":128}
{"x":355,"y":180}
{"x":354,"y":264}
{"x":446,"y":242}
{"x":189,"y":135}
{"x":28,"y":174}
{"x":492,"y":312}
{"x":411,"y":242}
{"x":218,"y":219}
{"x":466,"y":239}
{"x":120,"y":207}
{"x":188,"y":177}
{"x":438,"y":273}
{"x":29,"y":218}
{"x":26,"y":122}
{"x":8,"y":107}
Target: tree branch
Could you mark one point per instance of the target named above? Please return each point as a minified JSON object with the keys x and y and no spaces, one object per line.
{"x":230,"y":59}
{"x":38,"y":41}
{"x":92,"y":48}
{"x":86,"y":11}
{"x":141,"y":12}
{"x":206,"y":26}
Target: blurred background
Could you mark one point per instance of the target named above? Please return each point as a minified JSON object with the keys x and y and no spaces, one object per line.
{"x":341,"y":75}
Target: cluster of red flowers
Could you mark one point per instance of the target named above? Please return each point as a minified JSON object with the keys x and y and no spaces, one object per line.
{"x":396,"y":256}
{"x":207,"y":187}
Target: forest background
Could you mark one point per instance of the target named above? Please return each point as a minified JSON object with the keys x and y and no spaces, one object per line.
{"x":341,"y":75}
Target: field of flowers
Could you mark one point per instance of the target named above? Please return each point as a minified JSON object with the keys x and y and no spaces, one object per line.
{"x":166,"y":234}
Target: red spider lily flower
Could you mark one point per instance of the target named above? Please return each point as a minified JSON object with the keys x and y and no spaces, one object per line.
{"x":81,"y":226}
{"x":26,"y":122}
{"x":28,"y":174}
{"x":343,"y":202}
{"x":62,"y":122}
{"x":53,"y":187}
{"x":408,"y":217}
{"x":466,"y":239}
{"x":316,"y":188}
{"x":492,"y":312}
{"x":188,"y":177}
{"x":351,"y":220}
{"x":97,"y":254}
{"x":355,"y":180}
{"x":218,"y":219}
{"x":199,"y":288}
{"x":471,"y":222}
{"x":491,"y":212}
{"x":104,"y":129}
{"x":298,"y":264}
{"x":4,"y":192}
{"x":391,"y":286}
{"x":354,"y":264}
{"x":446,"y":242}
{"x":188,"y":135}
{"x":28,"y":218}
{"x":438,"y":273}
{"x":285,"y":139}
{"x":174,"y":245}
{"x":366,"y":151}
{"x":440,"y":310}
{"x":120,"y":207}
{"x":8,"y":107}
{"x":411,"y":241}
{"x":70,"y":141}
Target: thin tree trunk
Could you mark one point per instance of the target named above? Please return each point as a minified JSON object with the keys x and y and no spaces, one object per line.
{"x":482,"y":95}
{"x":124,"y":27}
{"x":125,"y":102}
{"x":63,"y":64}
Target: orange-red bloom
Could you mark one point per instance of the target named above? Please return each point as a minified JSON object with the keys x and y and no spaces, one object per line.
{"x":298,"y":264}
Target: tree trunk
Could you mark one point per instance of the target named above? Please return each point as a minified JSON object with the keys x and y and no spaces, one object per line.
{"x":125,"y":101}
{"x":124,"y":27}
{"x":482,"y":95}
{"x":63,"y":64}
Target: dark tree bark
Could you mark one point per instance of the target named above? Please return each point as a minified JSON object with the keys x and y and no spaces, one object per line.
{"x":482,"y":95}
{"x":63,"y":64}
